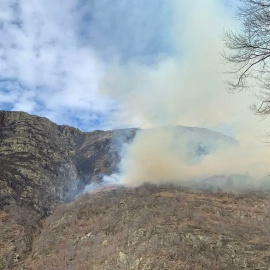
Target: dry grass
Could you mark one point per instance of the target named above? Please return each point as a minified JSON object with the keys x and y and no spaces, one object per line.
{"x":155,"y":227}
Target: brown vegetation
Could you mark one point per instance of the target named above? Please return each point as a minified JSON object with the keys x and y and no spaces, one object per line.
{"x":155,"y":227}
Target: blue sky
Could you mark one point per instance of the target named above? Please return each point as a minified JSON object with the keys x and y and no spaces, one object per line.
{"x":99,"y":64}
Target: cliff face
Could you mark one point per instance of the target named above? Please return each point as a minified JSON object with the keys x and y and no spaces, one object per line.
{"x":41,"y":162}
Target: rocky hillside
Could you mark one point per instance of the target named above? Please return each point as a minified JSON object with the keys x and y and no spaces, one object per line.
{"x":43,"y":164}
{"x":154,"y":227}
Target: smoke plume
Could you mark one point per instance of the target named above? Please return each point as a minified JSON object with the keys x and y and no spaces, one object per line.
{"x":186,"y":88}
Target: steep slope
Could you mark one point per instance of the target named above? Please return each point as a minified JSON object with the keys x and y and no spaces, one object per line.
{"x":155,"y":227}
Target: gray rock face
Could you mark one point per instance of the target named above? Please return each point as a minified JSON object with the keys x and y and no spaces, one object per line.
{"x":41,"y":162}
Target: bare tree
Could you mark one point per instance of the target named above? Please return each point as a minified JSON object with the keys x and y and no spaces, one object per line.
{"x":250,"y":51}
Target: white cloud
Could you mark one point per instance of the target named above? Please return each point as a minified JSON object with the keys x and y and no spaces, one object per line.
{"x":59,"y":51}
{"x":40,"y":49}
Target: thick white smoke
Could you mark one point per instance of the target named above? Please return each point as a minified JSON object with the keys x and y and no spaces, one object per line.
{"x":165,"y":155}
{"x":187,"y":89}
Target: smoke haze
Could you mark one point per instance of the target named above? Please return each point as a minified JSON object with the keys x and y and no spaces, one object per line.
{"x":165,"y":155}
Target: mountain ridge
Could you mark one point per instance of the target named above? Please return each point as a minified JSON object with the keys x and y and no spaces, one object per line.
{"x":38,"y":152}
{"x":43,"y":164}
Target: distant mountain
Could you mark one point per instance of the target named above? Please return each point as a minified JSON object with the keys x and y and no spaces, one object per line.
{"x":199,"y":141}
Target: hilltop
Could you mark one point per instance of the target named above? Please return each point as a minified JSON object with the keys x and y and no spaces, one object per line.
{"x":155,"y":227}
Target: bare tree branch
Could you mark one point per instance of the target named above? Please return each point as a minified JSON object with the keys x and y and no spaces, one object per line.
{"x":249,"y":50}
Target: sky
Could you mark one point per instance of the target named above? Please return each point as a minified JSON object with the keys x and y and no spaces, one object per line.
{"x":100,"y":64}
